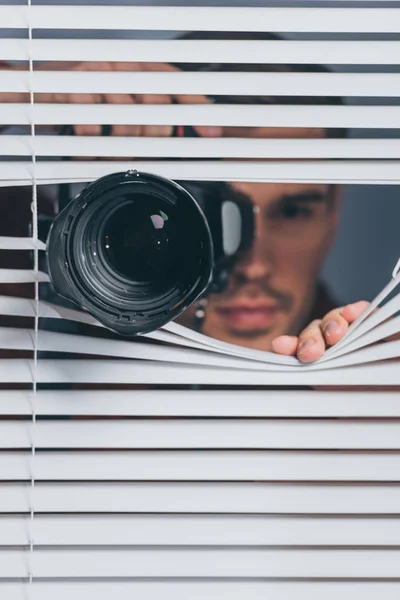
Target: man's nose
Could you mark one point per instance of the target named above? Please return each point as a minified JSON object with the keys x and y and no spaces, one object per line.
{"x":257,"y":261}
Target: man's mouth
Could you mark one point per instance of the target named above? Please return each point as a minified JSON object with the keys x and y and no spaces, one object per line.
{"x":249,"y":315}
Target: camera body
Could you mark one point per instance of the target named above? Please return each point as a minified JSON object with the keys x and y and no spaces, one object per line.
{"x":135,"y":249}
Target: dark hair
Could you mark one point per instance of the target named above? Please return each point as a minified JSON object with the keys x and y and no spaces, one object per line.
{"x":260,"y":68}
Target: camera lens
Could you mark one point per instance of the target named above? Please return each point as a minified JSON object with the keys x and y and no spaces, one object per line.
{"x":141,"y":242}
{"x":132,"y":249}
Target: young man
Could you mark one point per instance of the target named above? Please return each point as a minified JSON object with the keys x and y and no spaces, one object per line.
{"x":274,"y":290}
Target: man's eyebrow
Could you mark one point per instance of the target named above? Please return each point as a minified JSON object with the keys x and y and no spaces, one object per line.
{"x":306,"y":196}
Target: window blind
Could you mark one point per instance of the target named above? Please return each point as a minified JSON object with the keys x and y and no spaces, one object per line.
{"x":174,"y":465}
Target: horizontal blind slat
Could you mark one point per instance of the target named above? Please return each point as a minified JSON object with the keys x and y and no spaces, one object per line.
{"x":227,"y":115}
{"x":202,"y":51}
{"x":187,"y":465}
{"x":19,"y":243}
{"x":196,"y":403}
{"x":46,"y":145}
{"x":205,"y":562}
{"x":21,"y":276}
{"x":198,"y":530}
{"x":198,"y":590}
{"x":141,"y":372}
{"x":49,"y":341}
{"x":193,"y":497}
{"x":162,"y":18}
{"x":355,"y":172}
{"x":256,"y":84}
{"x":198,"y":433}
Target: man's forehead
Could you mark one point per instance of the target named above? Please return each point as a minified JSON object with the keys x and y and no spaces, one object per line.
{"x":266,"y":193}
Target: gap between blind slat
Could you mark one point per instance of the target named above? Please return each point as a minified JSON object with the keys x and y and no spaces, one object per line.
{"x":350,"y":172}
{"x":203,"y":51}
{"x":353,"y":20}
{"x":282,"y":84}
{"x":225,"y":115}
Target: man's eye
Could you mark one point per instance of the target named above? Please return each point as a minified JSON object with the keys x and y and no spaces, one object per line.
{"x":294,"y":211}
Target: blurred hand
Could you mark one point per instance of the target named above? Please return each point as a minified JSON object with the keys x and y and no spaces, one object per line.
{"x":124,"y":130}
{"x":144,"y":130}
{"x":320,"y":334}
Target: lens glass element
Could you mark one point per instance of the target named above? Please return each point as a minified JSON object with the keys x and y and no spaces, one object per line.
{"x":140,"y":241}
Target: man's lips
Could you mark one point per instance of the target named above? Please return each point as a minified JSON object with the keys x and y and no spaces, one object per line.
{"x":249,"y":315}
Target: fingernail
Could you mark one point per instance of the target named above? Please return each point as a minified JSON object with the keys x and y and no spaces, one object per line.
{"x":213,"y":131}
{"x":330,"y":327}
{"x":305,"y":345}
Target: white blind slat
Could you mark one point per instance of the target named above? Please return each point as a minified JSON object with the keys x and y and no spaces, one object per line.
{"x":19,"y":243}
{"x":23,"y":339}
{"x":198,"y":530}
{"x":338,"y":20}
{"x":279,"y":498}
{"x":202,"y":434}
{"x":45,"y":145}
{"x":142,"y":372}
{"x":183,"y":82}
{"x":355,"y":172}
{"x":202,"y":51}
{"x":196,"y":403}
{"x":200,"y":466}
{"x":21,"y":276}
{"x":200,"y":589}
{"x":233,"y":563}
{"x":226,"y":115}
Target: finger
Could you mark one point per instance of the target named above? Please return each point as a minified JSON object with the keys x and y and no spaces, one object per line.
{"x":202,"y":130}
{"x":84,"y":99}
{"x":336,"y":323}
{"x":205,"y":131}
{"x":334,"y":326}
{"x":351,"y":312}
{"x":311,"y":343}
{"x":123,"y":130}
{"x":285,"y":344}
{"x":155,"y":130}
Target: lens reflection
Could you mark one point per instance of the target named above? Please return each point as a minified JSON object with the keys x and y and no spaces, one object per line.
{"x":140,"y":241}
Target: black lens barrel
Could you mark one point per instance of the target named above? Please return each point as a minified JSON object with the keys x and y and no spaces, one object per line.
{"x":133,"y":249}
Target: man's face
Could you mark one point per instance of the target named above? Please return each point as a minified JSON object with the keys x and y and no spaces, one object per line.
{"x":272,"y":287}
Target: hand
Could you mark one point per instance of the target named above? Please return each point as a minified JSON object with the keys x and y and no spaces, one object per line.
{"x":319,"y":334}
{"x":124,"y":130}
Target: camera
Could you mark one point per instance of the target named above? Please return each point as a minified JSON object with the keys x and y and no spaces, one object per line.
{"x":135,"y":250}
